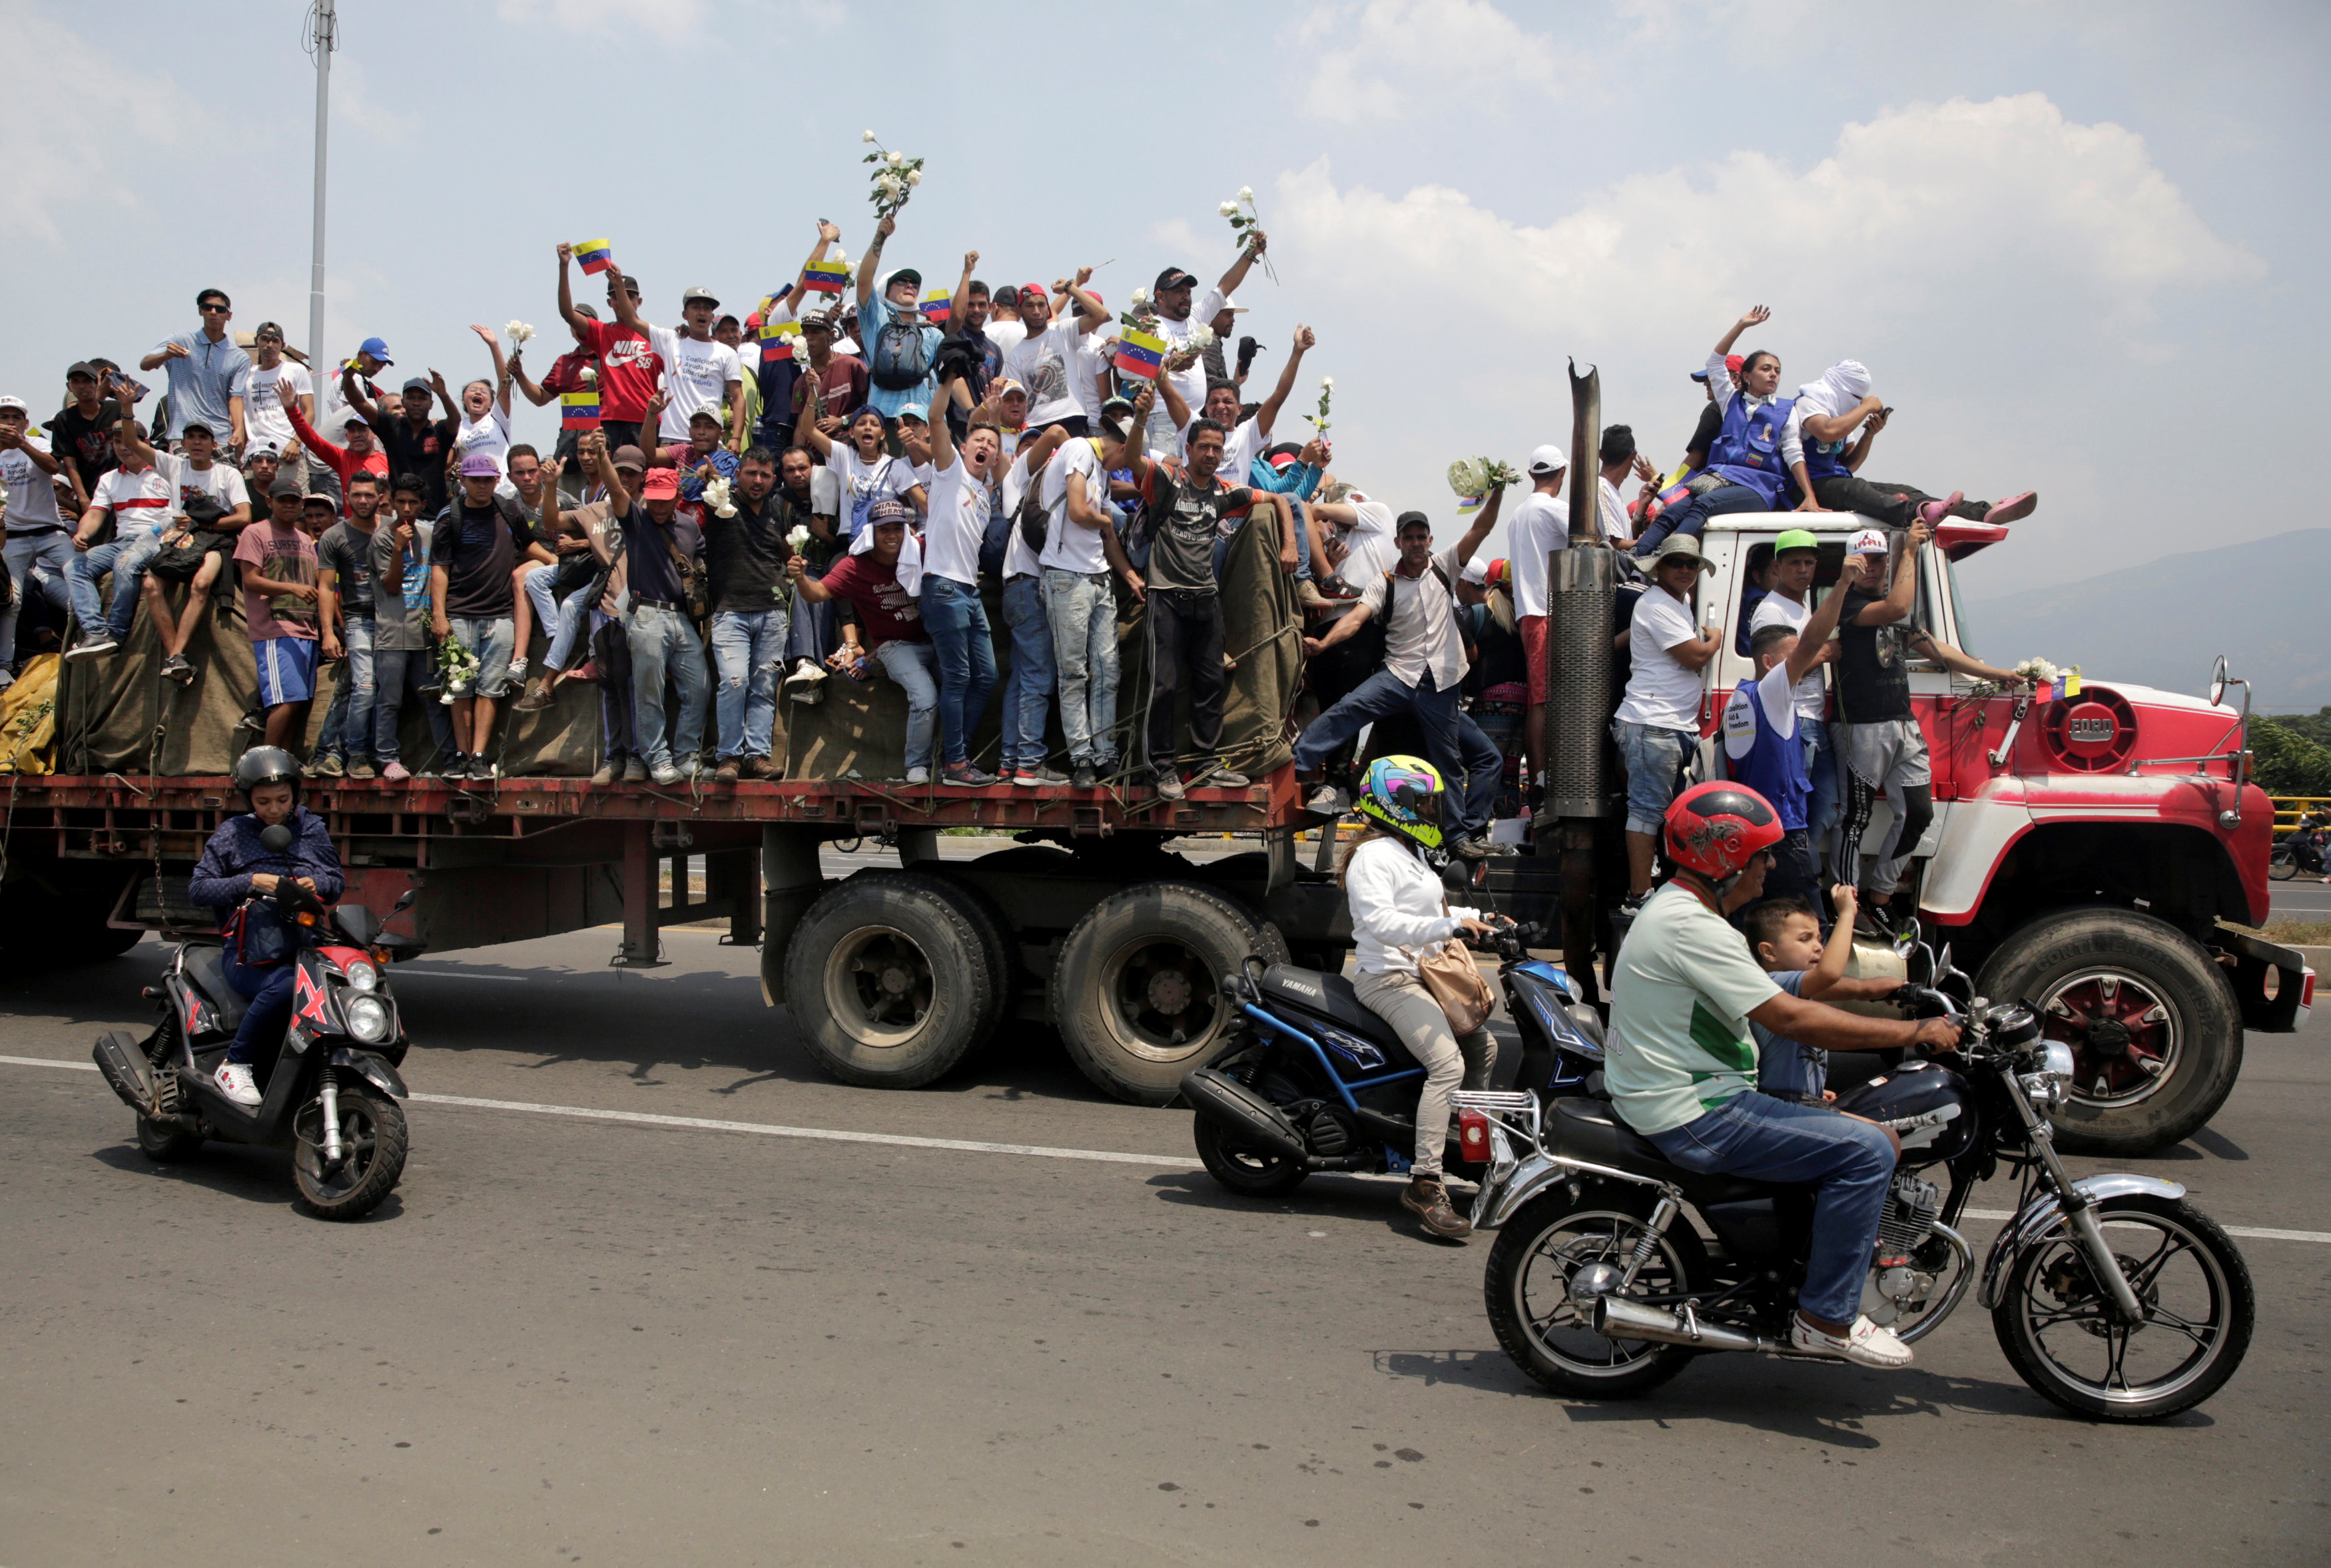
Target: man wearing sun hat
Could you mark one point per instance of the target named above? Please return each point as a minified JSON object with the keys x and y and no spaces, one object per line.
{"x":1657,"y":725}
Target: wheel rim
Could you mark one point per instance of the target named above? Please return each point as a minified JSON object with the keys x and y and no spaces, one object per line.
{"x":359,"y":1142}
{"x":879,"y":986}
{"x":2071,"y":1325}
{"x":2125,"y":1036}
{"x":1556,"y":1319}
{"x":1163,"y":999}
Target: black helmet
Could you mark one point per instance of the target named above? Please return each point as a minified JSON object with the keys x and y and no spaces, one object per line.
{"x":264,"y":764}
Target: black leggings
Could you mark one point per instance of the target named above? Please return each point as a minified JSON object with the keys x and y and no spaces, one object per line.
{"x":1861,"y":798}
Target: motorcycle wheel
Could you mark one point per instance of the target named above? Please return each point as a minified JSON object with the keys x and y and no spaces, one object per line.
{"x":1543,"y":1330}
{"x":2282,"y":865}
{"x":165,"y":1145}
{"x":1249,"y":1172}
{"x":2057,"y":1326}
{"x":372,"y":1136}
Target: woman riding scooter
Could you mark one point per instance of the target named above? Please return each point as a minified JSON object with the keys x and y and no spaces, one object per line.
{"x":1399,"y":909}
{"x":235,"y":866}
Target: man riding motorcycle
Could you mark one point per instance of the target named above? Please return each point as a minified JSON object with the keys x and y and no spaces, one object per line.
{"x":1681,"y":1063}
{"x":236,"y":865}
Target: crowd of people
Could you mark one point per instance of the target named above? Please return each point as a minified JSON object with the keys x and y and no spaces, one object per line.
{"x":854,"y":479}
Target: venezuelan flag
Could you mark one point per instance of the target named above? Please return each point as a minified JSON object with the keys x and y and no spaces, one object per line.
{"x":825,"y":277}
{"x":1468,"y":505}
{"x":2066,"y":685}
{"x":1139,"y":354}
{"x":782,"y":333}
{"x":578,"y":411}
{"x":939,"y":304}
{"x":596,"y":255}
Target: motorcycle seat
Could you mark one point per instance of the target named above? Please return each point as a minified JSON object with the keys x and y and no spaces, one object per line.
{"x":1591,"y":1130}
{"x":1333,"y":998}
{"x":206,"y":967}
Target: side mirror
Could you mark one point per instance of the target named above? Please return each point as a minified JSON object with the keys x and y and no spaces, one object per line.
{"x":1457,"y":875}
{"x":275,"y":839}
{"x":2218,"y":681}
{"x":404,"y":902}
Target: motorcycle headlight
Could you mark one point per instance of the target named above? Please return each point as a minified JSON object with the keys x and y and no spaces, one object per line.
{"x":368,"y":1019}
{"x":2056,"y":1059}
{"x":361,"y":976}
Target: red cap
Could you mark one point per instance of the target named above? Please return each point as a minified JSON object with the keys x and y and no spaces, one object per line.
{"x":1036,"y":288}
{"x":660,"y":484}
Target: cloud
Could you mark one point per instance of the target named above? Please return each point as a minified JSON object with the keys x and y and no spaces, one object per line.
{"x":354,"y":105}
{"x":1390,"y":59}
{"x":630,"y":19}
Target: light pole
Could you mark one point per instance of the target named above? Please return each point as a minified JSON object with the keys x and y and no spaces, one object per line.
{"x":323,"y":37}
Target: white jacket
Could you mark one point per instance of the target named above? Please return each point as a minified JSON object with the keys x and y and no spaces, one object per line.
{"x":1396,"y":902}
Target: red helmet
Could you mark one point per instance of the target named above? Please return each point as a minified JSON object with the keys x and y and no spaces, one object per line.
{"x":1714,"y":829}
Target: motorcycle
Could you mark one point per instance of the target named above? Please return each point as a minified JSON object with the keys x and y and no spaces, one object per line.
{"x":2299,"y":852}
{"x":2110,"y":1294}
{"x":330,"y":1092}
{"x":1313,"y":1080}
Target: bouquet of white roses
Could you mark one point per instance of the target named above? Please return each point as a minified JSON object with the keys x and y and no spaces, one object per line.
{"x":2038,"y":671}
{"x":716,"y":496}
{"x":518,"y":332}
{"x":1475,"y":476}
{"x":1326,"y":394}
{"x":1246,"y":223}
{"x":456,"y":666}
{"x":895,"y":177}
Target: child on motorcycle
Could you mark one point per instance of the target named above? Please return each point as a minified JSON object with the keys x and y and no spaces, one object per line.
{"x":236,"y":867}
{"x":1398,"y":909}
{"x":1785,"y":934}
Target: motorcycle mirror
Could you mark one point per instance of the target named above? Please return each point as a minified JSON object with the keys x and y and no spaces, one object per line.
{"x":404,"y":901}
{"x":1457,"y":875}
{"x":2218,"y":681}
{"x":275,"y":839}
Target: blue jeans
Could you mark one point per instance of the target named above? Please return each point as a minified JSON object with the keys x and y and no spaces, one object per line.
{"x":957,"y":623}
{"x":1033,"y":672}
{"x":562,"y":621}
{"x":1082,"y":610}
{"x":1690,"y":516}
{"x":1849,"y":1162}
{"x":126,"y":559}
{"x":811,"y":635}
{"x":914,"y":668}
{"x":268,"y":987}
{"x":397,"y":673}
{"x":746,"y":647}
{"x":348,"y":726}
{"x":662,"y":642}
{"x":1655,"y":759}
{"x":1829,"y":802}
{"x":23,"y":552}
{"x":1471,"y":763}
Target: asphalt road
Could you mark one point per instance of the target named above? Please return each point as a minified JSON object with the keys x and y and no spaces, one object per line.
{"x":569,"y":1340}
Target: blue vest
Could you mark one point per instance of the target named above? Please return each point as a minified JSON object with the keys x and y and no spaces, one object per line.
{"x":1774,"y":766}
{"x":1825,"y":460}
{"x":1747,"y":446}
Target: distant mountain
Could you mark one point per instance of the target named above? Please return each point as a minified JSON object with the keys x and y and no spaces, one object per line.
{"x":2264,"y":605}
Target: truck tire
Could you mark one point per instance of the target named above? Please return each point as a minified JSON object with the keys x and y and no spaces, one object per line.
{"x":2124,"y":990}
{"x":1136,"y":993}
{"x":997,"y":941}
{"x":889,"y":980}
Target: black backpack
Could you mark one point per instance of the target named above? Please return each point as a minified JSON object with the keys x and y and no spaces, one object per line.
{"x":902,"y":358}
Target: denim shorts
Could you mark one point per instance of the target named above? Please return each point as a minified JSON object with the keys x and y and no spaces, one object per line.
{"x":492,"y":641}
{"x":1655,"y":759}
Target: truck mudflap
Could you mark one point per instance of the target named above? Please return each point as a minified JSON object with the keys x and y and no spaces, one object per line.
{"x":2253,"y":957}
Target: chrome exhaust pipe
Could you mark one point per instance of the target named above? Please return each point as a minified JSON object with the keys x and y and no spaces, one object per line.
{"x":1617,"y":1318}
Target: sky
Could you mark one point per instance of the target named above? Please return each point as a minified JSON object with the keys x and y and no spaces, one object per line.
{"x":2071,"y":241}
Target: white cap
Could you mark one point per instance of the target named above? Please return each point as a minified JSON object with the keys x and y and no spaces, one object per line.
{"x":1549,"y":460}
{"x":1477,"y":570}
{"x":1868,"y":542}
{"x":16,"y":403}
{"x":1233,"y":306}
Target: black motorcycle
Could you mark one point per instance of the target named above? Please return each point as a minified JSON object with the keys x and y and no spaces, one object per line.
{"x":2111,"y":1295}
{"x":329,"y":1091}
{"x":2301,"y":850}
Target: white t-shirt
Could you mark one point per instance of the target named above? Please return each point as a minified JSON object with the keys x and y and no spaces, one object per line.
{"x":264,"y":419}
{"x":1779,"y":610}
{"x":1094,"y":355}
{"x":220,"y":482}
{"x":1660,"y":693}
{"x":32,"y":499}
{"x":1045,"y":362}
{"x":960,"y":508}
{"x":1370,"y":540}
{"x":140,"y":503}
{"x":696,"y":375}
{"x":1534,"y":531}
{"x":1616,"y":524}
{"x":489,"y":436}
{"x":864,"y":483}
{"x":1420,"y":624}
{"x":1071,"y":547}
{"x":1019,"y":560}
{"x":1191,"y":383}
{"x":1771,"y":692}
{"x":1005,"y":335}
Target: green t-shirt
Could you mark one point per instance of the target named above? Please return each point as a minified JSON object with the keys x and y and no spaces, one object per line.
{"x":1681,"y":997}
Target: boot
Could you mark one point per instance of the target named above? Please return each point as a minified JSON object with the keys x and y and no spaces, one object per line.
{"x":1428,"y":1199}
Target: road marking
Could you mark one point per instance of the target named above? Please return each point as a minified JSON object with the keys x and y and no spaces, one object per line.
{"x":961,"y":1145}
{"x":457,"y":974}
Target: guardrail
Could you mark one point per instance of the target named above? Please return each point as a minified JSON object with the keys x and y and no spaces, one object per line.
{"x":2288,"y":809}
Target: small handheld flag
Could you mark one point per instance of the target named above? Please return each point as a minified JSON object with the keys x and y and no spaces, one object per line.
{"x":939,"y":304}
{"x":1468,"y":505}
{"x":1141,"y":355}
{"x":780,"y":333}
{"x":579,"y":410}
{"x":2066,"y":685}
{"x":825,"y":277}
{"x":596,"y":255}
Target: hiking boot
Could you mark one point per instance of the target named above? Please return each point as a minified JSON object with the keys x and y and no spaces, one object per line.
{"x":176,"y":667}
{"x":1169,"y":784}
{"x":1864,"y":1344}
{"x":1040,"y":777}
{"x":537,"y":698}
{"x":761,"y":767}
{"x":327,"y":767}
{"x":635,"y":770}
{"x":360,"y":768}
{"x":967,"y":775}
{"x":1085,"y":777}
{"x":1428,"y":1199}
{"x":728,"y":771}
{"x":605,"y":775}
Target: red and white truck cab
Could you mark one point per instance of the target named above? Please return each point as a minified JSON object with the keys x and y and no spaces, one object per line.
{"x":2094,"y":854}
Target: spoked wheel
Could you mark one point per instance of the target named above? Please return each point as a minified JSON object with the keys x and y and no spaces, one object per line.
{"x":372,"y":1150}
{"x":1550,"y":1262}
{"x":2064,"y":1337}
{"x":2123,"y":1033}
{"x":2282,"y":865}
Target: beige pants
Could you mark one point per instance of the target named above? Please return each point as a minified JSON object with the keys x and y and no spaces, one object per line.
{"x":1402,"y":1001}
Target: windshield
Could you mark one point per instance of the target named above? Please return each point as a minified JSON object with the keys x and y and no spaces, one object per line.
{"x":1964,"y":637}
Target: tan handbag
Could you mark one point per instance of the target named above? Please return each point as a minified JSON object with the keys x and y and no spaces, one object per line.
{"x":1450,"y":973}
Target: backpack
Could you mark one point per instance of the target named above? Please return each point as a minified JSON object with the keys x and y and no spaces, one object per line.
{"x":996,"y":540}
{"x":1035,"y":518}
{"x":900,"y":359}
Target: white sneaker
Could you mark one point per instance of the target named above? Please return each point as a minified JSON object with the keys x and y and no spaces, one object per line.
{"x":918,"y":775}
{"x":1864,"y":1344}
{"x":518,"y":668}
{"x":235,"y":1082}
{"x":664,"y":773}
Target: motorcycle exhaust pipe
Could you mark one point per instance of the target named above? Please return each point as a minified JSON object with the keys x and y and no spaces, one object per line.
{"x":1617,"y":1318}
{"x":1252,"y":1119}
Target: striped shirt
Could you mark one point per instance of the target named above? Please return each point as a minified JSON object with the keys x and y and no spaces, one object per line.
{"x":140,"y":501}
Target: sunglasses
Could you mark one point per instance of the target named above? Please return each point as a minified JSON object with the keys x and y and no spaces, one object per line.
{"x":207,"y":309}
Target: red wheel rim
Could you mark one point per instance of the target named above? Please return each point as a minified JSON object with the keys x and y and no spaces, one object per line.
{"x":2124,"y":1036}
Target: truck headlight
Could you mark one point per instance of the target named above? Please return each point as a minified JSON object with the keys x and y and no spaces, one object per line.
{"x":368,"y":1019}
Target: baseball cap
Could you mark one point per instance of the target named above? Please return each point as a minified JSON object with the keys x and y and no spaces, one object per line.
{"x":1038,"y":290}
{"x":1868,"y":542}
{"x":318,"y":499}
{"x":354,"y":420}
{"x":17,"y":404}
{"x":1116,"y":417}
{"x":1174,"y":277}
{"x":660,"y":484}
{"x":890,"y":510}
{"x":1547,"y":460}
{"x":915,"y":411}
{"x":1676,"y":545}
{"x":711,"y":413}
{"x":257,"y":449}
{"x":632,"y":457}
{"x":1732,"y":362}
{"x":479,"y":465}
{"x":80,"y":367}
{"x":376,"y":348}
{"x":904,"y":275}
{"x":1405,"y":519}
{"x":1796,"y":539}
{"x":415,"y":383}
{"x":1233,"y":306}
{"x":286,"y":484}
{"x":1008,"y":297}
{"x":699,"y":291}
{"x":1477,"y":570}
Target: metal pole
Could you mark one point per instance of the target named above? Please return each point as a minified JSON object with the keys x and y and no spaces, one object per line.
{"x":325,"y":23}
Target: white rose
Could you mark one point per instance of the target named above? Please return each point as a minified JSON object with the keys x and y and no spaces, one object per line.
{"x":1246,"y":192}
{"x":914,"y":176}
{"x":866,"y":137}
{"x":1327,"y":383}
{"x":1141,"y":296}
{"x":841,"y":256}
{"x":897,"y":158}
{"x":1229,"y":209}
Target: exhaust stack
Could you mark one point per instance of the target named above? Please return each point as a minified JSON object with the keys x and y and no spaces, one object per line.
{"x":1617,"y":1318}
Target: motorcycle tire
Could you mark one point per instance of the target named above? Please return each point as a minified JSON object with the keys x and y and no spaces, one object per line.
{"x":372,"y":1128}
{"x":2282,"y":865}
{"x":165,"y":1145}
{"x":2052,"y":1279}
{"x":1607,"y":1220}
{"x":1249,"y":1172}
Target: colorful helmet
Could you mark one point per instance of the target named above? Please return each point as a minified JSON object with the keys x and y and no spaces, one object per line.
{"x":1714,"y":829}
{"x":1500,"y":574}
{"x":1402,"y":795}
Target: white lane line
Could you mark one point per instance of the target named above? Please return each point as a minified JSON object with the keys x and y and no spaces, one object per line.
{"x":964,"y":1146}
{"x":454,"y":974}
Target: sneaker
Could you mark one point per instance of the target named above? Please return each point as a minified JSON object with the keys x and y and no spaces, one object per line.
{"x":761,"y":767}
{"x":91,"y":645}
{"x":1169,"y":784}
{"x":537,"y":698}
{"x":728,"y":771}
{"x":918,"y":775}
{"x":1328,"y":801}
{"x":1933,"y":512}
{"x":1428,"y":1199}
{"x":1222,"y":778}
{"x":235,"y":1082}
{"x":1871,"y":921}
{"x":1864,"y":1344}
{"x":605,"y":775}
{"x":1085,"y":777}
{"x":807,"y":683}
{"x":360,"y":769}
{"x":1335,"y":587}
{"x":1040,"y":777}
{"x":455,"y":767}
{"x":518,"y":667}
{"x":327,"y":767}
{"x":1631,"y":906}
{"x":176,"y":667}
{"x":1307,"y":596}
{"x":2014,"y":508}
{"x":692,"y":768}
{"x":635,"y":770}
{"x":664,"y":773}
{"x":394,"y":772}
{"x":481,"y":770}
{"x":967,"y":775}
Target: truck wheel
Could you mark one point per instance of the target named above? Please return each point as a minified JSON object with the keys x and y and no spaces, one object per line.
{"x":1136,"y":992}
{"x":997,"y":941}
{"x":2155,"y":1032}
{"x":889,"y":980}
